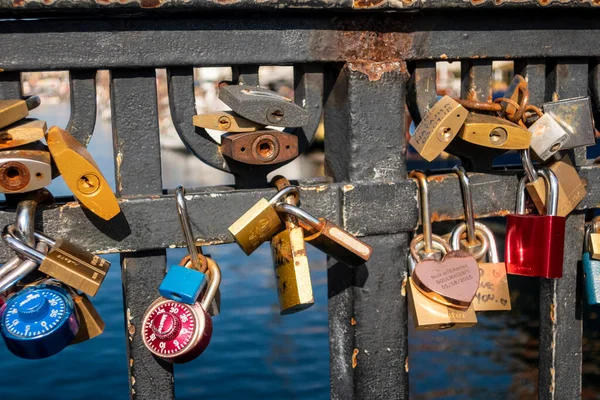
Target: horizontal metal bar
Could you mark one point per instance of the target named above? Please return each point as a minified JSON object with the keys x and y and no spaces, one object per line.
{"x":39,"y":7}
{"x":217,"y":40}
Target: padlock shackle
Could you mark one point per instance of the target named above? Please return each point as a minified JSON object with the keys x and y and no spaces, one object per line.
{"x":520,"y":207}
{"x":458,"y":231}
{"x":214,"y":276}
{"x":25,"y":221}
{"x":421,"y":179}
{"x":467,"y":202}
{"x":283,"y":193}
{"x":299,"y":213}
{"x":528,"y":165}
{"x":20,"y":247}
{"x":24,"y":268}
{"x":186,"y":226}
{"x":586,"y":237}
{"x":417,"y":244}
{"x":551,"y":190}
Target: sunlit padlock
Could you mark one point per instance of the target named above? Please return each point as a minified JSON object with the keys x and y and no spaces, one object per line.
{"x":429,"y":314}
{"x":329,"y":238}
{"x":179,"y":332}
{"x":493,"y":293}
{"x":547,"y":136}
{"x":25,"y":169}
{"x":21,"y":133}
{"x":575,"y":116}
{"x":264,"y":147}
{"x":39,"y":321}
{"x":591,"y":269}
{"x":260,"y":223}
{"x":90,"y":322}
{"x":225,"y":121}
{"x":490,"y":131}
{"x":534,"y":244}
{"x":15,"y":110}
{"x":66,"y":262}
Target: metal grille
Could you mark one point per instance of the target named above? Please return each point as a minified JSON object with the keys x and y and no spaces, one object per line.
{"x":364,"y":68}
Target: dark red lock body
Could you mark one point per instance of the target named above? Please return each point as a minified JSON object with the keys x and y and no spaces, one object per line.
{"x":535,"y":243}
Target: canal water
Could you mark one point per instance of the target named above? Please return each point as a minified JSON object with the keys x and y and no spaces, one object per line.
{"x":257,"y":354}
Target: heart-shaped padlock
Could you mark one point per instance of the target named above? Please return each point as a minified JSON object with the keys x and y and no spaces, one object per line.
{"x":452,"y":281}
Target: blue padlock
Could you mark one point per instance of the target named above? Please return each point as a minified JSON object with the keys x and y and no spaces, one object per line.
{"x":39,"y":321}
{"x":182,"y":284}
{"x":591,"y":272}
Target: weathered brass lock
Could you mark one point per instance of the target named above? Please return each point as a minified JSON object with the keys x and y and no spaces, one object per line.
{"x":90,"y":322}
{"x":22,"y":132}
{"x":81,"y":173}
{"x":438,"y":128}
{"x":225,"y":121}
{"x":490,"y":131}
{"x":261,"y":147}
{"x":594,"y":240}
{"x":12,"y":111}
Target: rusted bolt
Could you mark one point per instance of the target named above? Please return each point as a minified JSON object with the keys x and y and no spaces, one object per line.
{"x":88,"y":184}
{"x":445,"y":134}
{"x":498,"y":136}
{"x":265,"y":148}
{"x":224,"y":122}
{"x":14,"y":176}
{"x":274,"y":114}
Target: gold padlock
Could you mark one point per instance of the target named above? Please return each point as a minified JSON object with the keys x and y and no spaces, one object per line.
{"x":22,"y":132}
{"x":260,"y":223}
{"x":594,"y":240}
{"x":227,"y":121}
{"x":90,"y":322}
{"x":490,"y":131}
{"x":12,"y":111}
{"x":570,"y":192}
{"x":438,"y":128}
{"x":294,"y":286}
{"x":81,"y":173}
{"x":493,"y":293}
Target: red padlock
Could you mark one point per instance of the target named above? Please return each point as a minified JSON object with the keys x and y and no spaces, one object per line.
{"x":535,"y":244}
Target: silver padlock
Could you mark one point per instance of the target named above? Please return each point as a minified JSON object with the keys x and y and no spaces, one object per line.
{"x":23,"y":170}
{"x":575,"y":116}
{"x":547,"y":136}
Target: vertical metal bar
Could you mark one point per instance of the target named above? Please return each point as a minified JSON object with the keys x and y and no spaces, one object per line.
{"x":245,"y":74}
{"x":560,"y":305}
{"x":136,"y":143}
{"x":422,"y":89}
{"x":10,"y":85}
{"x":83,"y":104}
{"x":534,"y":72}
{"x":368,"y":322}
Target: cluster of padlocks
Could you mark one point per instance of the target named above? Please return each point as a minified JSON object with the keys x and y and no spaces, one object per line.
{"x":45,"y":287}
{"x":452,"y":278}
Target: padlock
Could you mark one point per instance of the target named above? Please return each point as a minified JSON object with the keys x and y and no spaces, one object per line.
{"x":571,"y":189}
{"x":518,"y":92}
{"x":547,"y":136}
{"x":575,"y":116}
{"x":90,"y":322}
{"x":493,"y":293}
{"x":24,"y":170}
{"x":66,"y":262}
{"x":428,"y":314}
{"x":534,"y":244}
{"x":591,"y":269}
{"x":81,"y":173}
{"x":179,"y":332}
{"x":263,"y":147}
{"x":490,"y":131}
{"x":294,"y":286}
{"x":437,"y":129}
{"x":226,"y":121}
{"x":12,"y":111}
{"x":215,"y":306}
{"x":260,"y":223}
{"x":263,"y":106}
{"x":21,"y":133}
{"x":594,"y":239}
{"x":329,"y":238}
{"x":39,"y":321}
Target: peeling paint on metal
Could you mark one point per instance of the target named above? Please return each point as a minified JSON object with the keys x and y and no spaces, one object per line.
{"x":375,"y":70}
{"x":355,"y":358}
{"x":347,"y":188}
{"x":352,"y":321}
{"x":368,"y":3}
{"x":406,"y":364}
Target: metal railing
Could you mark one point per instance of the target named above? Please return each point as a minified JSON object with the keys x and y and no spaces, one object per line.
{"x":364,"y":69}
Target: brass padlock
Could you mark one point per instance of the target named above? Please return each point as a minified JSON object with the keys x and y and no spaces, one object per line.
{"x":294,"y":286}
{"x":66,"y":262}
{"x":225,"y":121}
{"x":594,"y":240}
{"x":263,"y":147}
{"x":260,"y":223}
{"x":24,"y":170}
{"x":81,"y":173}
{"x":490,"y":131}
{"x":329,"y":238}
{"x":493,"y":293}
{"x":438,"y":128}
{"x":15,"y":110}
{"x":22,"y":132}
{"x":571,"y":190}
{"x":90,"y":322}
{"x":428,"y":314}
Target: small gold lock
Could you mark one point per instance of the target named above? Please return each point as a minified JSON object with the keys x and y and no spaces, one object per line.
{"x":226,"y":121}
{"x":90,"y":322}
{"x":81,"y":173}
{"x":490,"y":131}
{"x":594,"y":240}
{"x":438,"y":128}
{"x":12,"y":111}
{"x":22,"y":132}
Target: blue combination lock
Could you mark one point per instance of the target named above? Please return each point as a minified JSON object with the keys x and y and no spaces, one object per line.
{"x":591,"y":272}
{"x":39,"y":321}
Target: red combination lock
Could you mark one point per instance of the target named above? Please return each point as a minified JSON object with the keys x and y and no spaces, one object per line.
{"x":535,"y":243}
